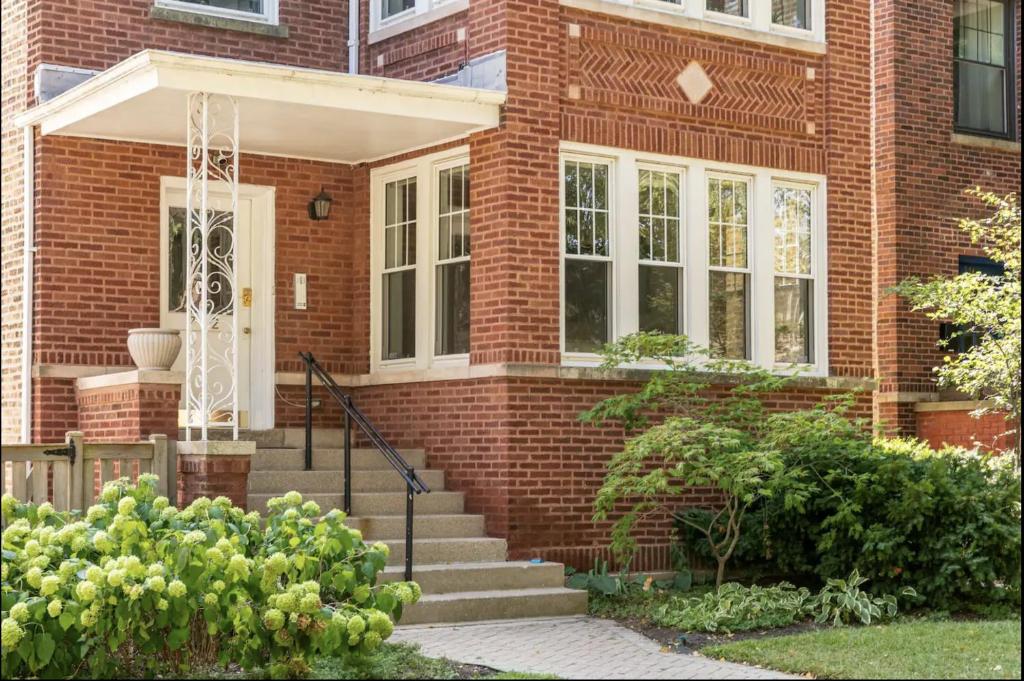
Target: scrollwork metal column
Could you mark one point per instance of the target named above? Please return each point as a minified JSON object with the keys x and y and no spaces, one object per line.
{"x":211,"y":303}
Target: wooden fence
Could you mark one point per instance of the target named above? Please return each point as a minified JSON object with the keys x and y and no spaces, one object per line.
{"x":66,"y":473}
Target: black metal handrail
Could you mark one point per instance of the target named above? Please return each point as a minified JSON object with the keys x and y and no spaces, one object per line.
{"x":413,"y":483}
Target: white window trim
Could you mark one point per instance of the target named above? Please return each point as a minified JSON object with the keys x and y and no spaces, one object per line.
{"x":624,"y":204}
{"x":424,"y":12}
{"x":693,"y":15}
{"x":269,"y":15}
{"x":425,"y":169}
{"x":459,"y":359}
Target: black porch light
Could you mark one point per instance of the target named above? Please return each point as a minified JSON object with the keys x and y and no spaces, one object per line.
{"x":320,"y":206}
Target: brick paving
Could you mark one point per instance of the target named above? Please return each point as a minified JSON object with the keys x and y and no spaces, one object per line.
{"x":570,"y":648}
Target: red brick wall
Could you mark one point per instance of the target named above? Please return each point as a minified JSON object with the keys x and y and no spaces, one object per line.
{"x":959,"y":428}
{"x":212,"y":476}
{"x":128,"y":413}
{"x":97,"y":269}
{"x":427,"y":53}
{"x":97,"y":35}
{"x":920,"y":176}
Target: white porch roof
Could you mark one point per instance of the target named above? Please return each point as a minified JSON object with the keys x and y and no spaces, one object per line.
{"x":284,"y":111}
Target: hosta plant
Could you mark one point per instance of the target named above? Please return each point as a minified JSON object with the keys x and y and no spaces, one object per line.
{"x":135,"y":587}
{"x":841,"y":601}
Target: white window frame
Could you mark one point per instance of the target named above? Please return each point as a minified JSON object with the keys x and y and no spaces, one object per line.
{"x":269,"y":15}
{"x":426,"y":170}
{"x":624,"y":204}
{"x":695,"y":12}
{"x":458,"y":359}
{"x":424,"y":12}
{"x":681,"y":242}
{"x":615,"y":273}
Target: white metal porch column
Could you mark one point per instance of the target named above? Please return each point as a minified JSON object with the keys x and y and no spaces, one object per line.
{"x":212,"y":303}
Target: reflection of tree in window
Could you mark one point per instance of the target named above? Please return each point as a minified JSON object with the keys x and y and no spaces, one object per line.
{"x":660,"y":275}
{"x":453,"y":246}
{"x":737,"y":8}
{"x":728,"y":220}
{"x":792,"y":13}
{"x":218,"y":246}
{"x":793,"y":282}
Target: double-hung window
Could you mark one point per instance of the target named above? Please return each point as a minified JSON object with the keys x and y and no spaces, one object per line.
{"x":251,"y":10}
{"x":398,"y":282}
{"x":660,"y":270}
{"x":729,"y":266}
{"x":792,"y":13}
{"x":730,"y":255}
{"x":793,"y":206}
{"x":983,"y":46}
{"x":451,"y":285}
{"x":587,"y":255}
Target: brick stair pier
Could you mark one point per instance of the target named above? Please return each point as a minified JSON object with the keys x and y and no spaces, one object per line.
{"x":462,"y":572}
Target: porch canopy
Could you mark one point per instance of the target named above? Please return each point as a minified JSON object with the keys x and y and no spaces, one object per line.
{"x":283,"y":110}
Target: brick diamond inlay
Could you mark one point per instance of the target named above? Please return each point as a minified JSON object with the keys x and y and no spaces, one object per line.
{"x":694,"y":82}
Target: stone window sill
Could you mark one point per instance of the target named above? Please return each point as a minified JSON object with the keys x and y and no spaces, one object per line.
{"x":982,"y":142}
{"x":210,"y":21}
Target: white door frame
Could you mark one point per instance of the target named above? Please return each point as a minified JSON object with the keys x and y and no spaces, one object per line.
{"x":262,"y":264}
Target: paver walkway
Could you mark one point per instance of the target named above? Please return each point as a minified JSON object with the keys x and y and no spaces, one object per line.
{"x":570,"y":648}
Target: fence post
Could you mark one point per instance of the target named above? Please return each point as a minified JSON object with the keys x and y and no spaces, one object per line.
{"x":77,"y":470}
{"x":159,"y":441}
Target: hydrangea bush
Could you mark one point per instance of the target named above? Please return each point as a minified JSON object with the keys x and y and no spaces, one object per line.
{"x":136,"y":587}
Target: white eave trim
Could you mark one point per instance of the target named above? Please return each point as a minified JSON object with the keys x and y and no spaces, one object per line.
{"x":473,"y":109}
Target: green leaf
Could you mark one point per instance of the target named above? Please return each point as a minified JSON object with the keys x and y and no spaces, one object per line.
{"x":67,"y":620}
{"x":177,"y":638}
{"x":45,"y":646}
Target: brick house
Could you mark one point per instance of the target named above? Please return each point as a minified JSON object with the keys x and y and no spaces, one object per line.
{"x":752,"y":173}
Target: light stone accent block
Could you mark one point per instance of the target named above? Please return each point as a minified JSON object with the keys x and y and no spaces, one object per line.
{"x":694,"y":82}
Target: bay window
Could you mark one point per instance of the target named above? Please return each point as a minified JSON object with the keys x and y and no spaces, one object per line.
{"x":983,"y":80}
{"x":729,"y":280}
{"x":587,"y":251}
{"x":729,"y":255}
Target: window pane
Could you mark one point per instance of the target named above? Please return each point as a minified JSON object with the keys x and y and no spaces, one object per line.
{"x":586,"y":227}
{"x":220,"y":231}
{"x":400,"y":223}
{"x":736,"y":8}
{"x":727,"y":223}
{"x":792,"y":320}
{"x":661,"y":306}
{"x":390,"y":8}
{"x":792,"y":229}
{"x":252,"y":6}
{"x":658,"y":219}
{"x":792,"y":13}
{"x":728,"y":315}
{"x":452,"y":336}
{"x":399,"y":296}
{"x":981,"y":103}
{"x":586,"y":305}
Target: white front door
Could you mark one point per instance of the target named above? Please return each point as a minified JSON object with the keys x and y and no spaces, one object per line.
{"x":172,"y":296}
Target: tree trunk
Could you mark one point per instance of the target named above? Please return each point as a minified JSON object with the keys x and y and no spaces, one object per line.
{"x":720,"y":576}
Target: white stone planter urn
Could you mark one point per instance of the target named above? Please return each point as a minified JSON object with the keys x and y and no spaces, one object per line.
{"x":154,"y":349}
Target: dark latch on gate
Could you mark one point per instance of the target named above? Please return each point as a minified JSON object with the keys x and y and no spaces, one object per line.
{"x":68,"y":451}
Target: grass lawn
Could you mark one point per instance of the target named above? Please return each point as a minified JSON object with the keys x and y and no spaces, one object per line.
{"x":907,"y":650}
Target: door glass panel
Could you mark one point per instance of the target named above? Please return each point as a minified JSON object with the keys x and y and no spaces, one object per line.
{"x":220,"y":231}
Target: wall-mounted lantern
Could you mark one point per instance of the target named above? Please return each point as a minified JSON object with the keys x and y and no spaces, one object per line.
{"x":320,"y":206}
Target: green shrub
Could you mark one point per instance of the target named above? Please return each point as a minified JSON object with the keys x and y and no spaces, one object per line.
{"x":842,"y":601}
{"x":945,"y":523}
{"x":734,"y":607}
{"x":135,"y":587}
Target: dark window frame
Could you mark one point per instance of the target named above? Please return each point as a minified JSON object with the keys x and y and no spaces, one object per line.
{"x":1010,"y":89}
{"x":956,"y":338}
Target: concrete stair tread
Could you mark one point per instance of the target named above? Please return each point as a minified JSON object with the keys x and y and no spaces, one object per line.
{"x":331,"y":481}
{"x":425,"y":525}
{"x":500,"y":593}
{"x":483,"y":565}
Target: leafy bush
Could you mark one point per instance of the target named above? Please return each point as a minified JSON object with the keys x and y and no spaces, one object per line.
{"x":946,"y":523}
{"x":137,"y":587}
{"x":841,"y":600}
{"x":733,"y":607}
{"x":598,"y":581}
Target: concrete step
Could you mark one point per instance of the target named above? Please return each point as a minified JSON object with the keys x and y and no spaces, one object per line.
{"x":440,"y":526}
{"x":327,"y":482}
{"x":447,"y":551}
{"x":372,"y":503}
{"x":322,"y":437}
{"x":475,"y":606}
{"x":490,"y":576}
{"x":393,"y":503}
{"x":293,"y":459}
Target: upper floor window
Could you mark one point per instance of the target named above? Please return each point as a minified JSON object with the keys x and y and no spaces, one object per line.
{"x":737,"y":8}
{"x":392,"y":8}
{"x":792,"y":13}
{"x":983,"y":45}
{"x":259,"y":10}
{"x":396,"y":16}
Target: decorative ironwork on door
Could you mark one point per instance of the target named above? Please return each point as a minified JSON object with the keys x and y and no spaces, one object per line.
{"x":211,"y":301}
